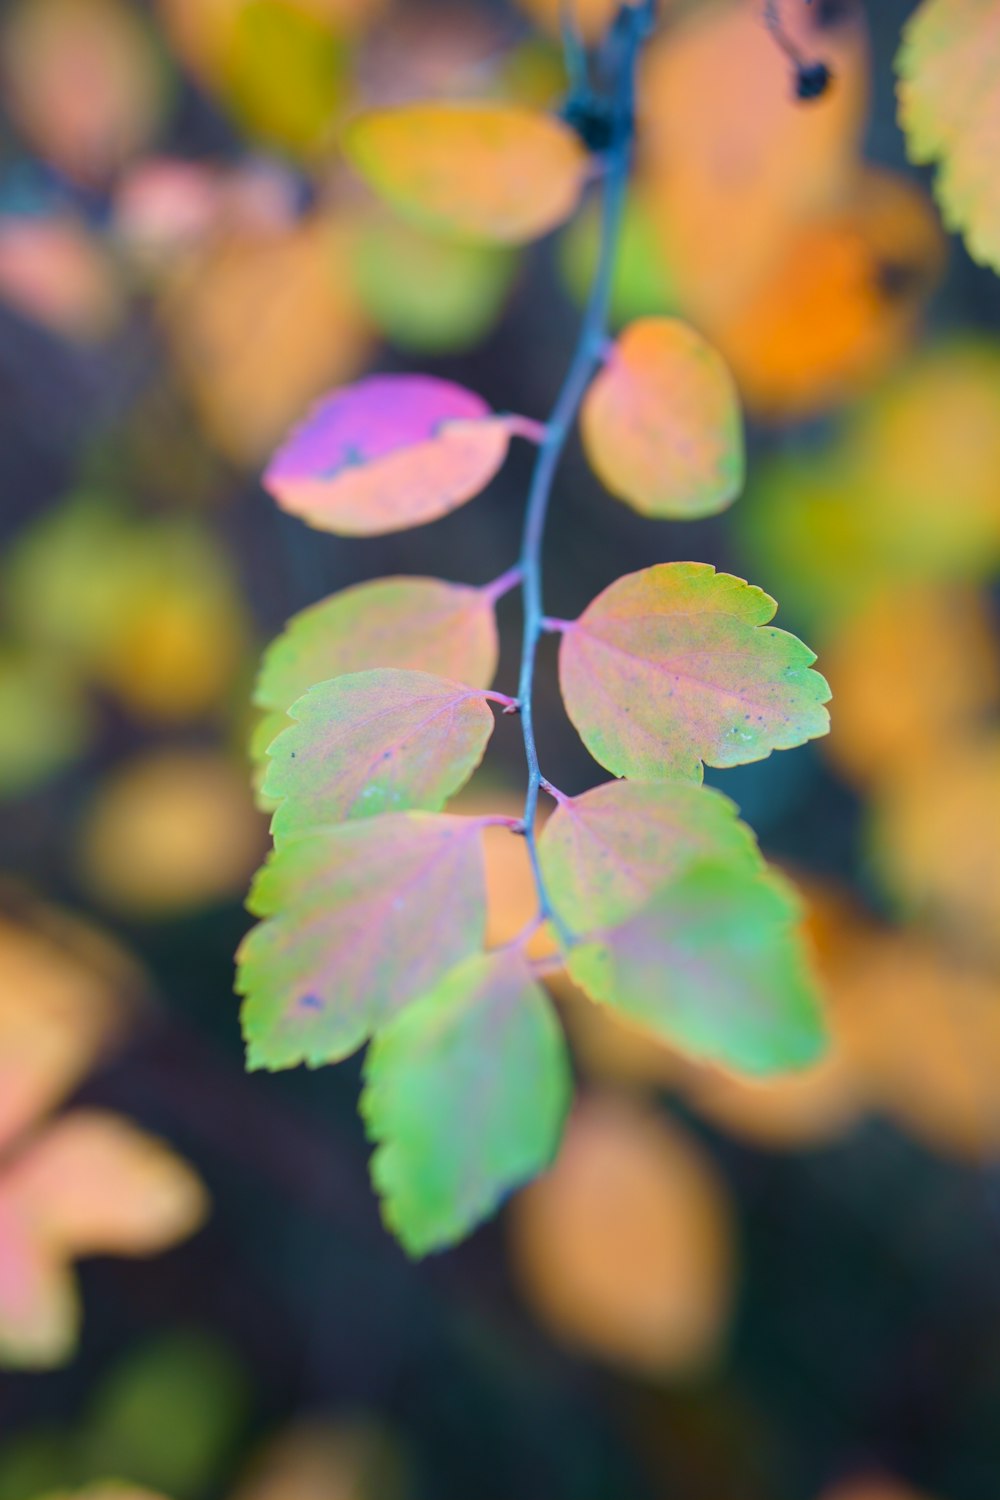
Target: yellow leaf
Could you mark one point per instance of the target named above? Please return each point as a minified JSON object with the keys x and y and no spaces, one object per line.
{"x":172,"y":831}
{"x":494,"y":172}
{"x":623,"y":1248}
{"x":949,"y":107}
{"x":888,"y":714}
{"x":934,"y":836}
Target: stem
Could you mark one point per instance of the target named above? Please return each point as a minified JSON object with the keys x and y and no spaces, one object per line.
{"x":634,"y":22}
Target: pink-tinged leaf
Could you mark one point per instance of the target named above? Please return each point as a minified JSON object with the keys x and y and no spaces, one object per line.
{"x":39,"y":1308}
{"x":359,"y":920}
{"x":713,"y":964}
{"x":605,"y":854}
{"x":390,"y":452}
{"x":489,"y":172}
{"x":676,"y":665}
{"x":466,"y":1092}
{"x":661,"y":422}
{"x":417,"y":624}
{"x":93,"y":1183}
{"x":375,"y":742}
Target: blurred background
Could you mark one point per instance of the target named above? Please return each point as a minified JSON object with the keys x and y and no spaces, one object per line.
{"x":722,"y":1291}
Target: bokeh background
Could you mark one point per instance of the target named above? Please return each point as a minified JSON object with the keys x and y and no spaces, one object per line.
{"x":722,"y":1291}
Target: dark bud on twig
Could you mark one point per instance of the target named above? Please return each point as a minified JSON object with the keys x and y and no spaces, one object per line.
{"x":812,"y":81}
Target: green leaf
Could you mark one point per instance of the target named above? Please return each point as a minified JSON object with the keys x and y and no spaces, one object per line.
{"x":676,"y":665}
{"x":428,"y":294}
{"x":713,"y":965}
{"x":375,"y":742}
{"x":421,"y":624}
{"x":466,"y":1093}
{"x":949,"y":106}
{"x":359,"y":920}
{"x":605,"y":854}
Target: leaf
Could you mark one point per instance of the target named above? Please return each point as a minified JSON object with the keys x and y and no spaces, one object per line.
{"x":170,"y":831}
{"x":314,"y":1459}
{"x":375,"y":742}
{"x":922,"y":1027}
{"x":421,"y":624}
{"x":933,"y":833}
{"x":84,"y":83}
{"x":387,"y":453}
{"x":675,"y":665}
{"x":93,"y":1183}
{"x":625,"y":1249}
{"x":495,"y":172}
{"x":606,"y":853}
{"x":39,"y":1307}
{"x":62,"y":1000}
{"x":841,"y":303}
{"x":661,"y":422}
{"x":361,"y":919}
{"x":293,"y":287}
{"x":888,"y":715}
{"x":426,"y":293}
{"x":713,"y":965}
{"x":465,"y":1094}
{"x":733,"y":160}
{"x":949,"y":108}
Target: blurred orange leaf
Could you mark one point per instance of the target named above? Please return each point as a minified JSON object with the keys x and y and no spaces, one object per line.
{"x":838,"y":302}
{"x":624,"y":1248}
{"x":755,"y":161}
{"x":294,"y":289}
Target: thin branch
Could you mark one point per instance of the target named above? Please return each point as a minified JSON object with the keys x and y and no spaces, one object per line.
{"x":633,"y":24}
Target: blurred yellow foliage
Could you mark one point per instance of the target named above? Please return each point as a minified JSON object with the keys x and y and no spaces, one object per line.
{"x":911,"y":668}
{"x":934,"y":837}
{"x":171,"y":831}
{"x":148,"y":610}
{"x":624,"y":1247}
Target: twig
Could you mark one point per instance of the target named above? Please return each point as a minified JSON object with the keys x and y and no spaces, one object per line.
{"x":633,"y":24}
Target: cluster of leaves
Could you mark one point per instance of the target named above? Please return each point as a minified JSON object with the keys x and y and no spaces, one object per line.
{"x":372,"y":905}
